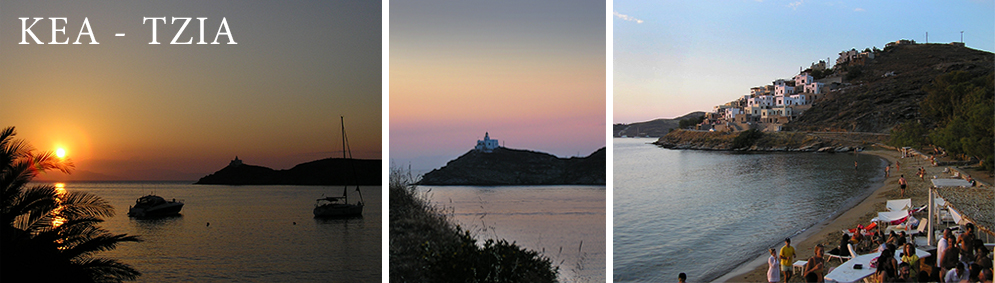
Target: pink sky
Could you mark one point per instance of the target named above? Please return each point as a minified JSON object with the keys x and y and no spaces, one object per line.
{"x":534,"y":79}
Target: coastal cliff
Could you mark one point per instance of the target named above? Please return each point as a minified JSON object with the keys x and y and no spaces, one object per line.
{"x":329,"y":171}
{"x":773,"y":141}
{"x":505,"y":166}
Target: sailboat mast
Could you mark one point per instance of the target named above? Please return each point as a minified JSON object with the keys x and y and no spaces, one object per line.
{"x":342,"y":122}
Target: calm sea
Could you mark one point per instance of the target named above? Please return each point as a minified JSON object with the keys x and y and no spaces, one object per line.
{"x":567,"y":223}
{"x":706,"y":212}
{"x":251,"y":237}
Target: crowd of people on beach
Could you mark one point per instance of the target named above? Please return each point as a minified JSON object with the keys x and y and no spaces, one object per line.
{"x":958,"y":258}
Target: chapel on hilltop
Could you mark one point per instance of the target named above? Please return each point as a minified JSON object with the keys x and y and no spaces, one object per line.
{"x":486,"y":145}
{"x":235,"y":163}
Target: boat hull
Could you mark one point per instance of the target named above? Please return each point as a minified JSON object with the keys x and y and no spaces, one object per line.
{"x":168,"y":209}
{"x":338,"y":210}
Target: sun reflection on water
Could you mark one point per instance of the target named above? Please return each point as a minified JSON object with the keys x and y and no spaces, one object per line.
{"x":60,"y":190}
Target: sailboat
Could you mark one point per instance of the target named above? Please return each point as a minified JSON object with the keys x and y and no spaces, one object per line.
{"x":340,"y":206}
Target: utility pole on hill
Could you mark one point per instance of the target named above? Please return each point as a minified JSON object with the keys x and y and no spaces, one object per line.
{"x":961,"y":36}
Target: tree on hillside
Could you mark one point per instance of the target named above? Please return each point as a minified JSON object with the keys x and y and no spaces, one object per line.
{"x":690,"y":122}
{"x":48,"y":235}
{"x":962,"y":104}
{"x":910,"y":133}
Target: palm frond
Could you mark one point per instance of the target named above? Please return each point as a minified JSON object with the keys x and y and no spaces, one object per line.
{"x":107,"y":270}
{"x":84,"y":204}
{"x":103,"y":242}
{"x":30,"y":207}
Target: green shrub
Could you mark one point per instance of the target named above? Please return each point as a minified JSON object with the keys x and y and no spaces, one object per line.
{"x":746,"y":139}
{"x":496,"y":261}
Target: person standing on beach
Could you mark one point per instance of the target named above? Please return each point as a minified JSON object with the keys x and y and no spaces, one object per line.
{"x":902,"y":184}
{"x":773,"y":267}
{"x":887,"y":171}
{"x":787,"y":255}
{"x":816,"y":264}
{"x":855,"y":165}
{"x":898,"y":166}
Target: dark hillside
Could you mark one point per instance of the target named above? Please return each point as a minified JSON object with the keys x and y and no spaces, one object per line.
{"x":329,"y":171}
{"x":654,"y":128}
{"x":876,"y":100}
{"x":507,"y":166}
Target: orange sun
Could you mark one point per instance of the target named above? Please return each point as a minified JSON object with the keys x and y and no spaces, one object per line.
{"x":61,"y":152}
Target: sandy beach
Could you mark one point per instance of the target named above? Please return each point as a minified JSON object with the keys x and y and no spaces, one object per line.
{"x":829,"y":232}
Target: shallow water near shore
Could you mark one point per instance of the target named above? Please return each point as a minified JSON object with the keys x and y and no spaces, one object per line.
{"x":542,"y":218}
{"x":706,"y":212}
{"x":251,"y":236}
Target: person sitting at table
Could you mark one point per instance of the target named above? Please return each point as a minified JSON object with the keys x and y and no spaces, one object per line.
{"x":957,"y":274}
{"x":985,"y":276}
{"x":974,"y":270}
{"x":900,"y":241}
{"x":904,"y":273}
{"x":887,"y":267}
{"x":881,"y":244}
{"x":842,"y":250}
{"x":909,"y":257}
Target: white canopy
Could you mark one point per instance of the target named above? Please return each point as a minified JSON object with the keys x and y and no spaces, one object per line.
{"x":899,"y":204}
{"x":892,"y":215}
{"x":956,"y":216}
{"x":945,"y":183}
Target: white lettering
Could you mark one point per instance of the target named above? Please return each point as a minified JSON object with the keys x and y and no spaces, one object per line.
{"x":224,"y":25}
{"x":27,"y":30}
{"x":178,"y":33}
{"x":145,"y":19}
{"x":55,"y":30}
{"x":89,"y":31}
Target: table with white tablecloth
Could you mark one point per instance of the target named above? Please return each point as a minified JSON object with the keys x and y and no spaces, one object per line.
{"x":846,"y":272}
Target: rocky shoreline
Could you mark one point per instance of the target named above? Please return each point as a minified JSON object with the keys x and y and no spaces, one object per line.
{"x":771,"y":142}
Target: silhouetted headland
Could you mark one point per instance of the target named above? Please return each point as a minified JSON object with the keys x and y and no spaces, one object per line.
{"x":324,"y":172}
{"x":509,"y":167}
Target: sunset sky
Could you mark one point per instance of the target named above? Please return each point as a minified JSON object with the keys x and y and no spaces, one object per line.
{"x":676,"y":57}
{"x":128,"y":110}
{"x":532,"y":73}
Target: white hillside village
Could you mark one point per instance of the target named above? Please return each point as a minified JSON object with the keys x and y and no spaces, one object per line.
{"x":767,"y":108}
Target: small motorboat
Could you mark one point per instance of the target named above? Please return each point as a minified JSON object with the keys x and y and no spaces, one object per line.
{"x":154,"y":206}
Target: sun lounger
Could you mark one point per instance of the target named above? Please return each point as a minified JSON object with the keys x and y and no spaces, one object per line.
{"x":841,"y":257}
{"x":866,"y":231}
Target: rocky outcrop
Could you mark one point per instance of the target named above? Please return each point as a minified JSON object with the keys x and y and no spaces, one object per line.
{"x":505,"y":166}
{"x":324,"y":172}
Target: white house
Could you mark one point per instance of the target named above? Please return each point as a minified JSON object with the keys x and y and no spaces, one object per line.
{"x":814,"y":87}
{"x":795,"y":100}
{"x":760,"y":101}
{"x":486,"y":145}
{"x":803,"y":78}
{"x":732,"y":112}
{"x":783,"y":89}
